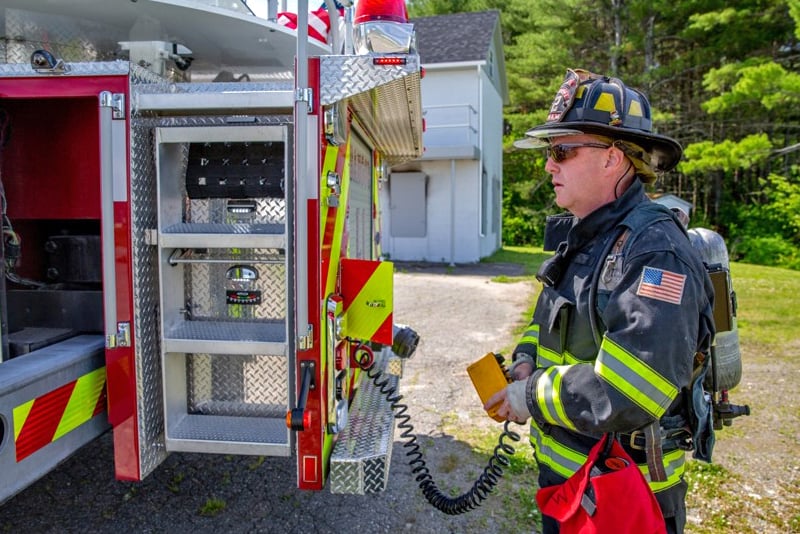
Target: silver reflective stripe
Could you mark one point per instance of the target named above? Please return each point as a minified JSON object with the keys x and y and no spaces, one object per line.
{"x":548,"y":396}
{"x":634,"y":378}
{"x":553,"y":454}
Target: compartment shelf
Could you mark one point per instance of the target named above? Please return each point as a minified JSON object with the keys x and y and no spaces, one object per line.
{"x":229,"y":337}
{"x":217,"y":235}
{"x":230,"y":435}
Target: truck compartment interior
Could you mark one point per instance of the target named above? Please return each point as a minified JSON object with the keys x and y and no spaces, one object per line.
{"x":51,"y":222}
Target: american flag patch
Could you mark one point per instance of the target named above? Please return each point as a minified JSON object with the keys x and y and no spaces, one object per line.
{"x":661,"y":285}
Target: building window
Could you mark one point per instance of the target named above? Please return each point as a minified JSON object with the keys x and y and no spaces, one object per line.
{"x":408,"y":204}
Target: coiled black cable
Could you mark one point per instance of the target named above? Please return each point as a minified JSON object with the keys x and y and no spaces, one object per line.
{"x":450,"y":505}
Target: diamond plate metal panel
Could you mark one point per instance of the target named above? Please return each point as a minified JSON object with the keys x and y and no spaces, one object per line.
{"x":238,"y":385}
{"x":206,"y":289}
{"x":225,"y":87}
{"x":66,"y":38}
{"x":361,"y":457}
{"x":386,"y":99}
{"x":150,"y":406}
{"x":345,"y":76}
{"x":146,"y":309}
{"x":214,"y":210}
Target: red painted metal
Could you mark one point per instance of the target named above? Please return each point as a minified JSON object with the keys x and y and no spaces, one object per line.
{"x":310,"y":442}
{"x":61,"y":118}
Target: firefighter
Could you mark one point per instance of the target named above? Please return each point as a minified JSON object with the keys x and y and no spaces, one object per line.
{"x":625,"y":304}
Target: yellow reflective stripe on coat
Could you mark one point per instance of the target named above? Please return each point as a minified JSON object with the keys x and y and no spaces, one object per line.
{"x":530,"y":336}
{"x":674,"y":465}
{"x":548,"y":396}
{"x":566,"y":461}
{"x":548,"y":358}
{"x":635,"y":379}
{"x":549,"y":452}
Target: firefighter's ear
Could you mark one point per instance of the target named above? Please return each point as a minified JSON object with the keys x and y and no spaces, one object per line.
{"x":614,"y":157}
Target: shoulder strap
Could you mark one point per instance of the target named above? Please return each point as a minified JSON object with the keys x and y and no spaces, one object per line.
{"x":635,"y":222}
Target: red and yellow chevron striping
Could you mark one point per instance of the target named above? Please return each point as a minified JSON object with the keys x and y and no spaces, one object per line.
{"x":43,"y":420}
{"x":368,"y":299}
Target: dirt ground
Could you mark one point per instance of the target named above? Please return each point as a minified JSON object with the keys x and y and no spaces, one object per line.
{"x":461,"y":313}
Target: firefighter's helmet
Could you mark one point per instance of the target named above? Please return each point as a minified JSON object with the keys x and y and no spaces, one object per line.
{"x":588,"y":103}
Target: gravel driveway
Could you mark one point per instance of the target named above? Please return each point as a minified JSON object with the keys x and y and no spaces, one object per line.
{"x":460,"y":314}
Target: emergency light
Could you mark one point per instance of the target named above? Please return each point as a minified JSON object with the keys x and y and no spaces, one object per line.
{"x":381,"y":27}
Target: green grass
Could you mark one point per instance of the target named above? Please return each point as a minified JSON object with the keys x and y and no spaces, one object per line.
{"x":529,"y":257}
{"x":768,"y":304}
{"x":212,"y":507}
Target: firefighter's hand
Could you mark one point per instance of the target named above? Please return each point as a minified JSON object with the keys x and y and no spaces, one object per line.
{"x":522,"y":367}
{"x":511,"y":402}
{"x":521,"y":370}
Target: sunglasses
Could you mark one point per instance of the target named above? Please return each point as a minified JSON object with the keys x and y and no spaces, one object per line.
{"x":564,"y":151}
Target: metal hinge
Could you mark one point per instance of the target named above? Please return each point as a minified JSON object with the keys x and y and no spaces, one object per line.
{"x":115,"y":101}
{"x":122,"y":338}
{"x":305,"y":94}
{"x":306,"y":342}
{"x":151,"y":236}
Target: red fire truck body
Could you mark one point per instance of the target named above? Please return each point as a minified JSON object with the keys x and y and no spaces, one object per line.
{"x":191,"y":252}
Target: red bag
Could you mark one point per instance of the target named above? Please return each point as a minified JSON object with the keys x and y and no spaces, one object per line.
{"x":608,"y":494}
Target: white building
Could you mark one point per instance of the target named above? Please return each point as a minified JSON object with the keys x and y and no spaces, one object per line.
{"x":447,"y":206}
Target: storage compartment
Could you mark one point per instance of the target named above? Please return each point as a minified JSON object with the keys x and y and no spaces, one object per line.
{"x":225,"y":284}
{"x":226,"y":403}
{"x":51,"y":275}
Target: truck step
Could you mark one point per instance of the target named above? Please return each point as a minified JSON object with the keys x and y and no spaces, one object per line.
{"x":361,"y":457}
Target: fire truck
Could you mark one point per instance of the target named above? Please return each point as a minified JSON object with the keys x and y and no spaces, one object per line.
{"x":191,"y":242}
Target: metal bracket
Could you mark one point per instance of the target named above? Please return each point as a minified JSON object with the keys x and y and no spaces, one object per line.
{"x":151,"y":236}
{"x":115,"y":101}
{"x":306,"y":342}
{"x":122,"y":338}
{"x":305,"y":94}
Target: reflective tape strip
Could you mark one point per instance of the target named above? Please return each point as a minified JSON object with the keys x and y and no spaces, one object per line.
{"x":548,"y":396}
{"x":634,"y":378}
{"x":46,"y":418}
{"x":368,"y":299}
{"x":331,"y":218}
{"x":82,"y":404}
{"x":566,"y":461}
{"x":674,"y":465}
{"x":569,"y":358}
{"x":559,"y":458}
{"x":548,"y":358}
{"x":530,"y":336}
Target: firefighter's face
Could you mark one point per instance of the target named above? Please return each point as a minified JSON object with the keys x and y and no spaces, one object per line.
{"x":582,"y":170}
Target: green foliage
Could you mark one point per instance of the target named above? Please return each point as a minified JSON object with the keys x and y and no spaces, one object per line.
{"x":722,"y":77}
{"x":727,"y":155}
{"x":527,"y":197}
{"x":213,"y":507}
{"x":766,"y":85}
{"x":767,"y":250}
{"x":767,"y":231}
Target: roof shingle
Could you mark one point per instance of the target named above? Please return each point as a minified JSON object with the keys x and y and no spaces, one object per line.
{"x":456,"y":37}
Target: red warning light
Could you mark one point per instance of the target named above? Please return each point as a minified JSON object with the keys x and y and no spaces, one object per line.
{"x":390,"y":60}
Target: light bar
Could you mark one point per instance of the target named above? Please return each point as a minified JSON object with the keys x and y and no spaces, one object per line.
{"x":390,"y":60}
